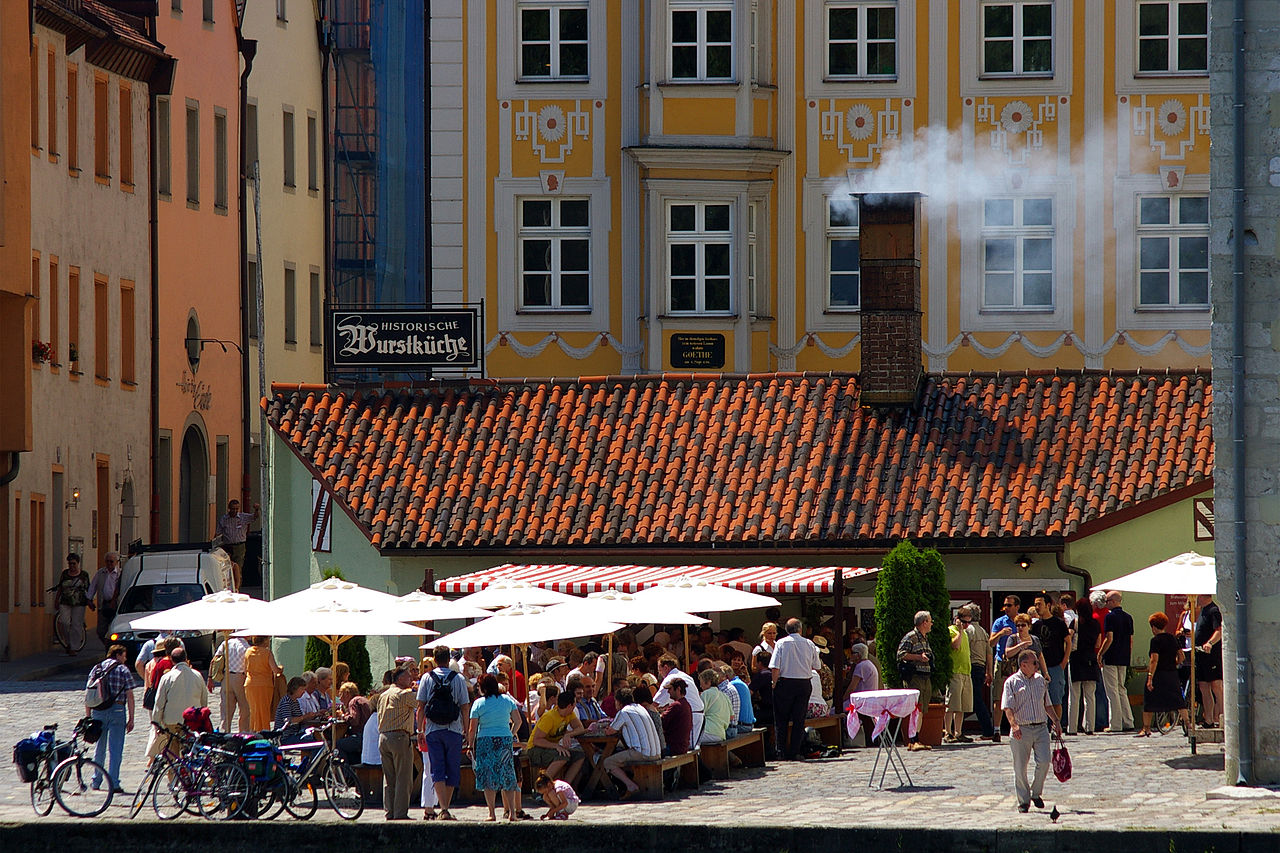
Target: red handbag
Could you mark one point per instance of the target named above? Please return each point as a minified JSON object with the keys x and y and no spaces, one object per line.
{"x":1061,"y":761}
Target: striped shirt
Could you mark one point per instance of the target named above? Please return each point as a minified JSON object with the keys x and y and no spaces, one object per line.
{"x":1026,"y":697}
{"x":638,"y":732}
{"x":735,"y":701}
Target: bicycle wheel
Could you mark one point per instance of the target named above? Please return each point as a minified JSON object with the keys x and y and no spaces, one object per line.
{"x":264,"y":803}
{"x":171,"y":789}
{"x":145,"y":789}
{"x":1163,"y":722}
{"x":42,"y":789}
{"x":74,"y":789}
{"x":341,"y":785}
{"x":222,"y":791}
{"x":300,"y":800}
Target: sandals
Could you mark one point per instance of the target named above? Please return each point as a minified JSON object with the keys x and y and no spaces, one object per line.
{"x":1143,"y":733}
{"x":444,"y":815}
{"x":429,"y":815}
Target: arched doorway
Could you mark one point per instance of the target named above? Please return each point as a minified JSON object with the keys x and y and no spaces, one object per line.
{"x":193,"y":487}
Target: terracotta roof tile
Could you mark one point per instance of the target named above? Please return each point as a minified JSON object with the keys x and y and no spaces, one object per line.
{"x":785,"y":459}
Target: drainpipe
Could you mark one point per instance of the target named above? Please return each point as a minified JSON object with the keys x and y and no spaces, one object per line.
{"x":248,"y":48}
{"x":1067,"y":568}
{"x":323,"y":33}
{"x":1239,"y":537}
{"x":161,"y":83}
{"x":15,"y":463}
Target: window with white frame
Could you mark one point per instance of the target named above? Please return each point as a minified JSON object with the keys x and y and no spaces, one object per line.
{"x":699,"y":252}
{"x":553,"y":41}
{"x":1173,"y":251}
{"x":554,"y":249}
{"x":1173,"y":37}
{"x":756,"y":298}
{"x":1017,"y":254}
{"x":701,"y":37}
{"x":844,"y":279}
{"x":1017,"y":38}
{"x":862,"y":40}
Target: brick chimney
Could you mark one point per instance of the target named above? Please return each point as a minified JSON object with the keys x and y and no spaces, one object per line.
{"x":891,"y":319}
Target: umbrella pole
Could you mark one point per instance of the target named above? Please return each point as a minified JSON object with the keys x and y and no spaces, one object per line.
{"x":1192,"y":683}
{"x":524,"y":662}
{"x":688,"y":658}
{"x":608,"y":671}
{"x":226,"y":676}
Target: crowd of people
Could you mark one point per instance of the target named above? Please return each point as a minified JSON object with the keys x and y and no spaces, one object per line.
{"x":1042,"y":668}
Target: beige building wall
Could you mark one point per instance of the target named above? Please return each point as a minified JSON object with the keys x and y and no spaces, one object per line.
{"x":285,"y":90}
{"x":91,"y":407}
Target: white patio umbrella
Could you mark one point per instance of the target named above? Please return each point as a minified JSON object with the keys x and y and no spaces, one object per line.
{"x":522,"y":623}
{"x":333,"y":622}
{"x":419,"y":606}
{"x":626,"y":608}
{"x":694,"y":595}
{"x":507,"y":593}
{"x":1185,"y":574}
{"x":1188,"y":574}
{"x":350,"y":595}
{"x":218,"y":611}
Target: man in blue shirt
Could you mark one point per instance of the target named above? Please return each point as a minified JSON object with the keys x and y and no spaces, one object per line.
{"x":1001,"y":630}
{"x":746,"y":713}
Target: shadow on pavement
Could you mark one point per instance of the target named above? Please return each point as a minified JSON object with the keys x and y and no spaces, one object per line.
{"x":1210,"y":761}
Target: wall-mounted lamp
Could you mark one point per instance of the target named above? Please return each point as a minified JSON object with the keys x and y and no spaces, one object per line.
{"x":74,"y":502}
{"x":1025,"y":562}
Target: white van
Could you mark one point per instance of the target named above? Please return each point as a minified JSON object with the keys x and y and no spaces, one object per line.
{"x":158,"y":577}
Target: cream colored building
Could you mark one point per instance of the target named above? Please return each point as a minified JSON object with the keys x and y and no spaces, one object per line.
{"x":284,"y":133}
{"x":84,"y":485}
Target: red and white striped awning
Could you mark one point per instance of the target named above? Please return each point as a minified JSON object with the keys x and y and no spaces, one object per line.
{"x":580,"y":580}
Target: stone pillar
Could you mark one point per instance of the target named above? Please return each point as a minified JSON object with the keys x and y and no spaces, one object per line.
{"x":1259,"y":398}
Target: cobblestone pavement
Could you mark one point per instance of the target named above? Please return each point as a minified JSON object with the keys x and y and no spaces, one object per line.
{"x":1119,"y":783}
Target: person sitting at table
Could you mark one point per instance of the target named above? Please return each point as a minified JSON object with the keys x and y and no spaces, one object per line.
{"x":356,"y":710}
{"x":723,"y":675}
{"x":677,"y":719}
{"x":609,"y":704}
{"x":290,"y":718}
{"x":584,"y":689}
{"x":733,"y":677}
{"x":669,"y":671}
{"x":639,"y":738}
{"x":549,"y":742}
{"x":716,"y":708}
{"x":642,"y":694}
{"x":761,"y":685}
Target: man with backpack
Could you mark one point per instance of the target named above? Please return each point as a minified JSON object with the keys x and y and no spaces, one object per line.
{"x":443,"y":705}
{"x":111,"y":685}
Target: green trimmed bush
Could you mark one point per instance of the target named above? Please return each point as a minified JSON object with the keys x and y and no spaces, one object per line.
{"x":911,"y":580}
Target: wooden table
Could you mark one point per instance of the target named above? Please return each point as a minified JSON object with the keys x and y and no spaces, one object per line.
{"x":596,"y":748}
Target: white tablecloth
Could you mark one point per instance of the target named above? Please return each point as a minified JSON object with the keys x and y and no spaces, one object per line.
{"x":880,"y":705}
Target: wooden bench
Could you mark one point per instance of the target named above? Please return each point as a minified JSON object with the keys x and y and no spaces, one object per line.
{"x":649,"y":774}
{"x":749,"y":747}
{"x":828,"y":728}
{"x":370,"y":776}
{"x":467,"y":792}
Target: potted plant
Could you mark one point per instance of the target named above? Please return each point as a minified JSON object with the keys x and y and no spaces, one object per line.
{"x":73,"y":353}
{"x":911,"y":580}
{"x":41,"y":352}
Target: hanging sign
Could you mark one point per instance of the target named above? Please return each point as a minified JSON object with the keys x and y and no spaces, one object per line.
{"x":403,"y":339}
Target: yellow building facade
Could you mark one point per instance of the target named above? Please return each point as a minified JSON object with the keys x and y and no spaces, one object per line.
{"x":676,"y":184}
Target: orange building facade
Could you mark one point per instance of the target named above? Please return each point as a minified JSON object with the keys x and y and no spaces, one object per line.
{"x":198,"y":449}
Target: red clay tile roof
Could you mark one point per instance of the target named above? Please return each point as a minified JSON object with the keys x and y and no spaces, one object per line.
{"x":692,"y":462}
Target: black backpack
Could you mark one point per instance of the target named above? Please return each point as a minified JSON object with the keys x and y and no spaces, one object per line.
{"x":441,"y":708}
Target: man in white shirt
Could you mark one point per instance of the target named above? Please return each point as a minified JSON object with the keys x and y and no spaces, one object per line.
{"x":179,"y":689}
{"x":1026,"y":703}
{"x":794,"y":659}
{"x":669,"y":670}
{"x":639,"y":736}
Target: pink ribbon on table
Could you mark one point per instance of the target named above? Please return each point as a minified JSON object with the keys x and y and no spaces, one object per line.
{"x":881,"y":705}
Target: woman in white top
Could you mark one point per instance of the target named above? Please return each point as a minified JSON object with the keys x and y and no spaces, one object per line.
{"x":768,"y":637}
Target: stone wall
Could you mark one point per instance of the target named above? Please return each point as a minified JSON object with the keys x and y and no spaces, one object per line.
{"x":1261,"y":392}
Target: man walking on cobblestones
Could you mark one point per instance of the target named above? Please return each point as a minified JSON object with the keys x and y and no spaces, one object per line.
{"x":1026,"y":703}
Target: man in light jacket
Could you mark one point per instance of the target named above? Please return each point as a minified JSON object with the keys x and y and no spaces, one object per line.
{"x":179,"y":689}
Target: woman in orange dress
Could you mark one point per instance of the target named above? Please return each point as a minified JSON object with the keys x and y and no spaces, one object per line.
{"x":260,"y":669}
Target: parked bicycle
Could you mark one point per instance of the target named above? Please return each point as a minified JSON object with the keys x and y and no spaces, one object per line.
{"x":65,"y":637}
{"x":196,"y":774}
{"x":307,"y":767}
{"x":61,"y":772}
